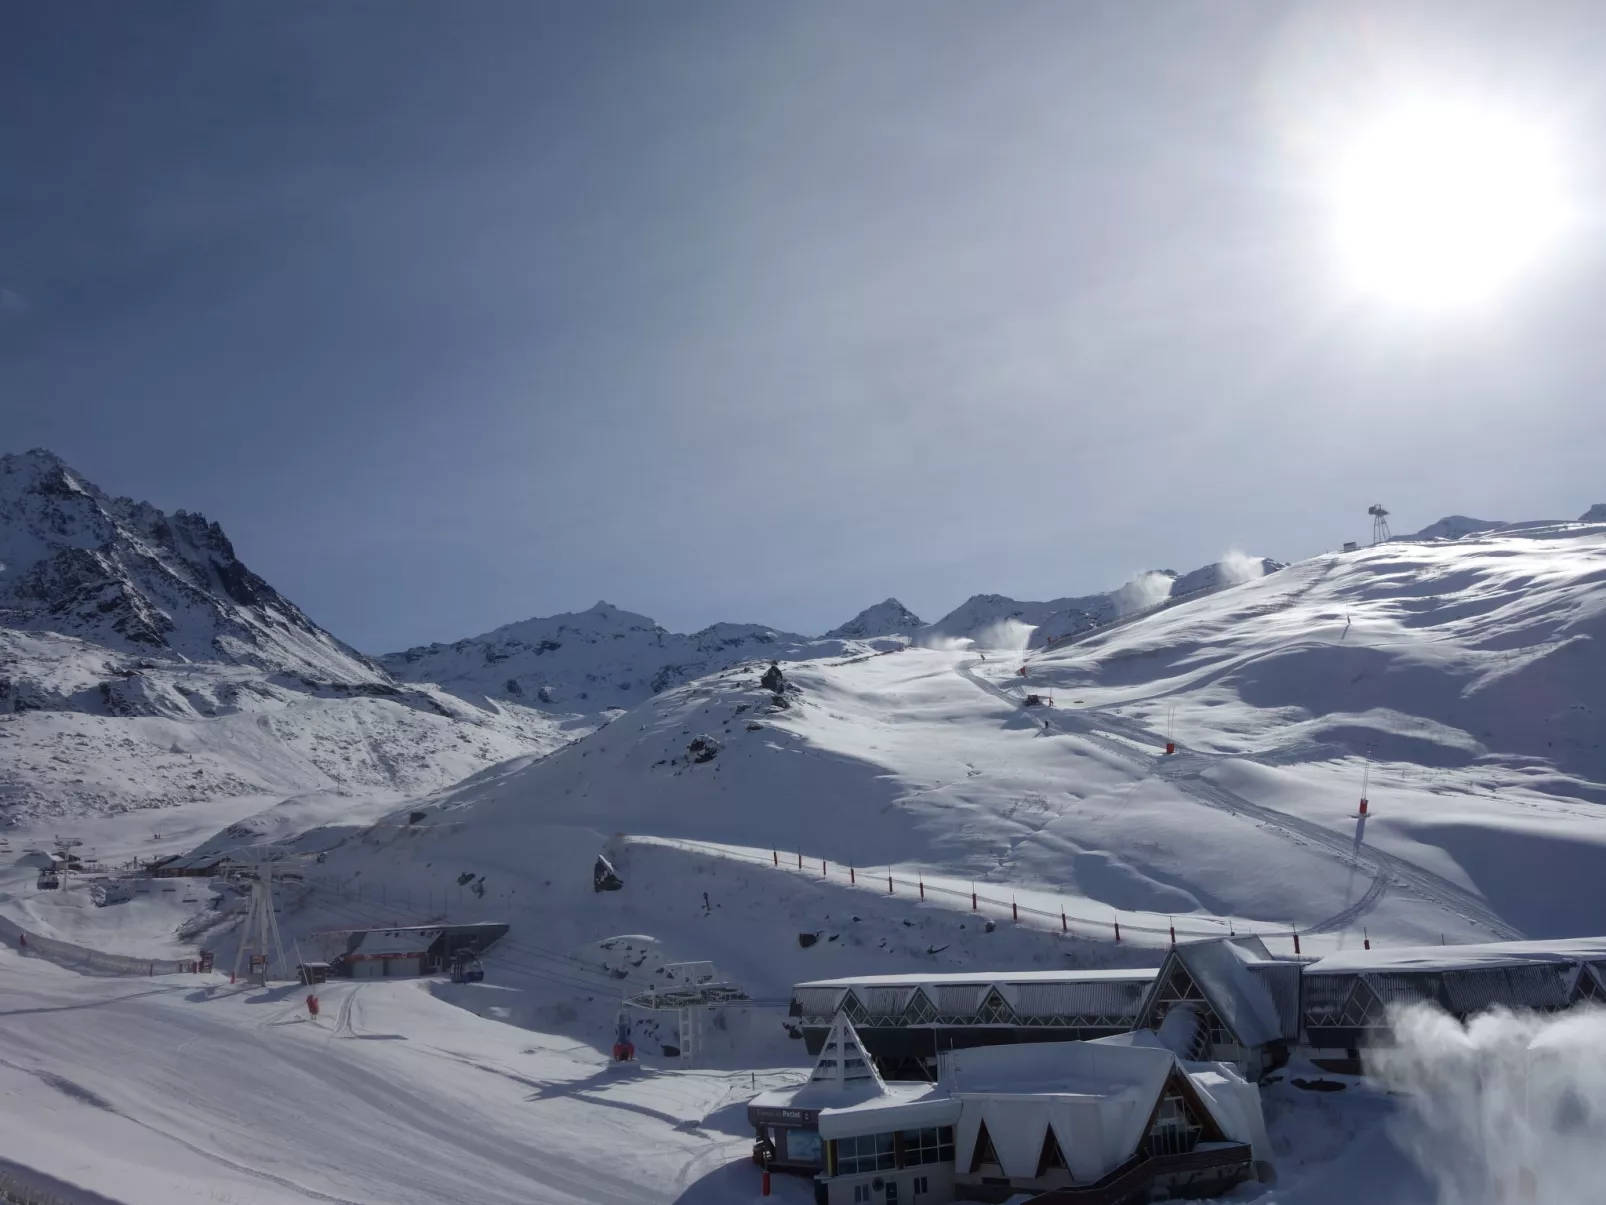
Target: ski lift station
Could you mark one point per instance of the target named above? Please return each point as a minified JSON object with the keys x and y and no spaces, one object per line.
{"x":1106,"y":1086}
{"x":1252,"y":1009}
{"x":405,"y":952}
{"x":1114,"y":1119}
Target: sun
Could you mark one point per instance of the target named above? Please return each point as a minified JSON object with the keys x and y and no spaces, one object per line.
{"x":1446,"y":205}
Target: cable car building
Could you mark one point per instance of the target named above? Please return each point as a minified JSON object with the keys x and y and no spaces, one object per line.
{"x":904,"y":1020}
{"x":1223,"y":1000}
{"x":1345,"y":998}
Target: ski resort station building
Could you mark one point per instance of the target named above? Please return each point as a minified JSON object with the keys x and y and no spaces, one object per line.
{"x":1066,"y":1122}
{"x":1247,"y":1007}
{"x":403,"y":952}
{"x":906,"y":1019}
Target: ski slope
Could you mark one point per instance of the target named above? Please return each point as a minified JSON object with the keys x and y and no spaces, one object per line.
{"x":1459,"y":680}
{"x":182,"y":1089}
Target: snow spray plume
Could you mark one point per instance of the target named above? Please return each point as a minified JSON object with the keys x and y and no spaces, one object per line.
{"x":1142,"y":592}
{"x":1007,"y":634}
{"x":945,"y":644}
{"x":1508,"y":1108}
{"x":1238,"y":567}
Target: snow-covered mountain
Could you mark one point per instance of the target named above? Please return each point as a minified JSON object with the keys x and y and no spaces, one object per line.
{"x":142,"y":663}
{"x":1468,"y":673}
{"x":889,"y":618}
{"x":134,"y":580}
{"x":605,"y":658}
{"x":1453,"y":527}
{"x":993,"y":620}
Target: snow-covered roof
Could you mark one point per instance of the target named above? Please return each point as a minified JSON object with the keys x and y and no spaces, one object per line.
{"x":843,"y":1075}
{"x":899,"y":1106}
{"x":963,"y":998}
{"x":926,"y":979}
{"x":395,"y":942}
{"x":1097,"y":1096}
{"x":1453,"y":958}
{"x":1225,"y":971}
{"x":843,"y":1064}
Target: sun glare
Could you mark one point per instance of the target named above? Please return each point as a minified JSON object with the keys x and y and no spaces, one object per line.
{"x":1446,"y":206}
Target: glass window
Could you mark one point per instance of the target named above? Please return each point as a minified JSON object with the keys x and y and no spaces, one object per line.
{"x":865,"y":1153}
{"x":1174,"y":1130}
{"x":934,"y":1145}
{"x":803,"y":1146}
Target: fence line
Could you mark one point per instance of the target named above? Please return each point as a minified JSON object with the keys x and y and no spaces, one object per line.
{"x":887,"y":881}
{"x":82,"y":958}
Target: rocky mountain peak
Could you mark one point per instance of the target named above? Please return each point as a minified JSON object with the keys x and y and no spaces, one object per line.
{"x":887,"y":618}
{"x":128,"y":576}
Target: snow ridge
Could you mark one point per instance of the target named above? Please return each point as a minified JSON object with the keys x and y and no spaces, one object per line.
{"x":142,"y":664}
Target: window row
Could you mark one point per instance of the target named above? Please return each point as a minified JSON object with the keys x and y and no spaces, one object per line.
{"x":879,"y":1152}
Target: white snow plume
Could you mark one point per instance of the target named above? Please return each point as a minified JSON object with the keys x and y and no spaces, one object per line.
{"x":1239,"y":567}
{"x":1508,"y":1107}
{"x":1008,"y":634}
{"x":944,"y":644}
{"x":1142,"y":592}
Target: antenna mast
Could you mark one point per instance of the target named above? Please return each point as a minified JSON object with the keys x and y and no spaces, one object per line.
{"x":1380,"y":523}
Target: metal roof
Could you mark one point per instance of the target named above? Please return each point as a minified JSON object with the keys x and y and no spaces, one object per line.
{"x":1457,"y":958}
{"x":925,"y":978}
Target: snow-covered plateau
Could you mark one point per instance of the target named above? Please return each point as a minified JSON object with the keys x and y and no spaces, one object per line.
{"x":832,"y":819}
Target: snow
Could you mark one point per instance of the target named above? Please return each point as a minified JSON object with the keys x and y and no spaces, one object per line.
{"x":596,"y":661}
{"x":1461,"y":680}
{"x":1453,"y":527}
{"x":889,"y":618}
{"x":143,"y":665}
{"x":1222,"y":971}
{"x":1461,"y":958}
{"x":983,"y":618}
{"x":186,"y":1090}
{"x":922,"y":980}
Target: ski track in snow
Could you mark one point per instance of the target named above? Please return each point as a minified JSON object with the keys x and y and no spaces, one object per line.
{"x":1185,"y":771}
{"x":179,"y":1064}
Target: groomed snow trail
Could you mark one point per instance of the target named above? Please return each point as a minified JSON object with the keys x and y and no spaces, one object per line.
{"x":186,"y":1091}
{"x":1185,"y":770}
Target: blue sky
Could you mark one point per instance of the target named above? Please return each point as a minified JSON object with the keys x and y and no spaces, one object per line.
{"x":453,"y":314}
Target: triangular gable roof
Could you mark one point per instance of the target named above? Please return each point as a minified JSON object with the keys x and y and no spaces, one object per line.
{"x":1016,"y":1126}
{"x":843,"y":1063}
{"x":1051,"y":1155}
{"x":1233,"y":1103}
{"x":1220,"y":970}
{"x":1097,"y":1097}
{"x":982,"y":1149}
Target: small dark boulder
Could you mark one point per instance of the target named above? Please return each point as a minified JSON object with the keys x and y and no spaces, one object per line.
{"x":416,"y":817}
{"x":703,"y":749}
{"x":773,"y":680}
{"x":807,"y":939}
{"x":603,"y":876}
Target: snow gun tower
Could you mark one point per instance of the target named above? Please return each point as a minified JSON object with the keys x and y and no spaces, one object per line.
{"x":260,"y":934}
{"x":1380,"y":523}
